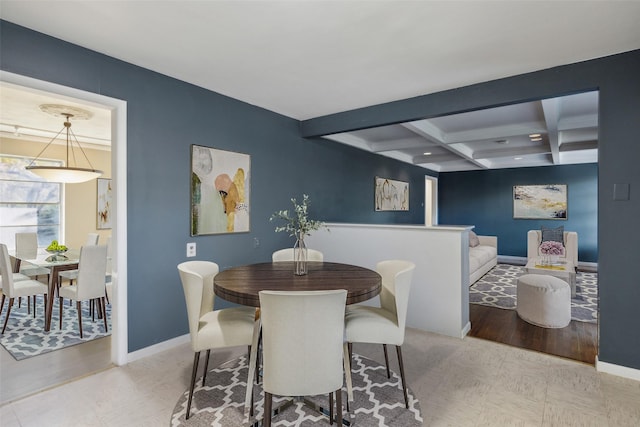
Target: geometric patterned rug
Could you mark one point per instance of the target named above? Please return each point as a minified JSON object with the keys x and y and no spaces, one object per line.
{"x":25,"y":336}
{"x":378,"y":400}
{"x":497,"y":288}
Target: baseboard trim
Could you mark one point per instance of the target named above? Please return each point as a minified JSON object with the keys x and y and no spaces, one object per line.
{"x":617,"y":370}
{"x":465,"y":330}
{"x":157,"y":348}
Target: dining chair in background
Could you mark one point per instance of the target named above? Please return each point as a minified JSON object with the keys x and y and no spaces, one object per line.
{"x":302,"y":346}
{"x":17,"y":289}
{"x":27,"y":248}
{"x":89,"y":283}
{"x":385,"y":324}
{"x":208,"y":328}
{"x":71,"y":275}
{"x":287,"y":255}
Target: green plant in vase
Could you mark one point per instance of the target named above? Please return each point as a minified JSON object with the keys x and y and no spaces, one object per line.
{"x":298,"y":225}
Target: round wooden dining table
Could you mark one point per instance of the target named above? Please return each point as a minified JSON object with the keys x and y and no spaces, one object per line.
{"x":241,"y":285}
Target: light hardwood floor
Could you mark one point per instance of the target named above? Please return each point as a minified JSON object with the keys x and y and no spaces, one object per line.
{"x":459,"y":382}
{"x":28,"y":376}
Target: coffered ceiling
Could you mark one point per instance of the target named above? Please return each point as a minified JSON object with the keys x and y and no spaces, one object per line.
{"x":553,"y":131}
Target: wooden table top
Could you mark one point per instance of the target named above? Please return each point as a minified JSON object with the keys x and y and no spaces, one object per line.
{"x":241,"y":285}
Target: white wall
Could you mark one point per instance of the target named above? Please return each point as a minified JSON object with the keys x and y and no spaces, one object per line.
{"x":440,"y":289}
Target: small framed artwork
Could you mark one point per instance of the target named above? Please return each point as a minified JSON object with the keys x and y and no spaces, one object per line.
{"x":104,"y":204}
{"x":219,"y":191}
{"x":391,"y":195}
{"x":540,"y":201}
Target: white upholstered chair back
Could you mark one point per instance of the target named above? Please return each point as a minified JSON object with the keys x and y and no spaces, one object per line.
{"x":534,"y":239}
{"x":197,"y":283}
{"x":92,"y":239}
{"x":26,"y":245}
{"x":5,"y":271}
{"x":287,"y":255}
{"x":394,"y":295}
{"x":302,"y":335}
{"x":91,"y":268}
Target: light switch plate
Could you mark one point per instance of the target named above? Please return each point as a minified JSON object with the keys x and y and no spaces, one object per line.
{"x":191,"y":249}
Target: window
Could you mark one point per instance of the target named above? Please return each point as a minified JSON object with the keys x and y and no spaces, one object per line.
{"x":28,"y":203}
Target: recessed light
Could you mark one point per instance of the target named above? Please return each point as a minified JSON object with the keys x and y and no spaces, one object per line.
{"x":534,"y":135}
{"x":426,"y":154}
{"x":536,"y":139}
{"x":517,"y":158}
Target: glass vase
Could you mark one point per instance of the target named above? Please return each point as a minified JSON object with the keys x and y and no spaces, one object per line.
{"x":300,"y":256}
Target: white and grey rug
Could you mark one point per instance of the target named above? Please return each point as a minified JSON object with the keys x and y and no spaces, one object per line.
{"x":497,"y":288}
{"x":378,"y":400}
{"x":25,"y":336}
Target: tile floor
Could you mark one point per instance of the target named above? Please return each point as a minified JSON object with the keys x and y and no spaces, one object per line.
{"x":468,"y":382}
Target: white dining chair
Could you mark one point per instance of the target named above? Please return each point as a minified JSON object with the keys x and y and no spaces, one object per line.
{"x":302,"y":346}
{"x":209,"y":328}
{"x":385,"y":324}
{"x":16,"y":289}
{"x":27,"y":248}
{"x":287,"y":255}
{"x":71,"y":275}
{"x":89,"y":283}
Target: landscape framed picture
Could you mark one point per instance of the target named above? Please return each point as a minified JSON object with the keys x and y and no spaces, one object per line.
{"x":391,"y":195}
{"x":547,"y":201}
{"x":219,"y":191}
{"x":104,"y":204}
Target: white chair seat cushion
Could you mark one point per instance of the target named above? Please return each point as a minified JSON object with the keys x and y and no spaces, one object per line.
{"x":70,"y":292}
{"x":544,"y":300}
{"x":25,"y":288}
{"x":228,"y":327}
{"x":69,"y":274}
{"x":17,"y":277}
{"x":372,"y":325}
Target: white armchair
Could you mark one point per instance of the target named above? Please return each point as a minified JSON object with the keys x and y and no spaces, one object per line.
{"x":534,"y":238}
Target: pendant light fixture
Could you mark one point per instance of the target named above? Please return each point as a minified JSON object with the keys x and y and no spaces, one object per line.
{"x":69,"y":174}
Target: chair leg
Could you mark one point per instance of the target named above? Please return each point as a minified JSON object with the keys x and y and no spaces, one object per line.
{"x":59,"y":305}
{"x":103,"y":308}
{"x":339,"y":407}
{"x":266,"y":422}
{"x":404,"y":381}
{"x":196,"y":357}
{"x":206,"y":367}
{"x":79,"y":307}
{"x":331,"y":408}
{"x":29,"y":306}
{"x":386,"y":360}
{"x":8,"y":312}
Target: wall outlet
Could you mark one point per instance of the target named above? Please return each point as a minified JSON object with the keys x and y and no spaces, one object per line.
{"x":191,"y":250}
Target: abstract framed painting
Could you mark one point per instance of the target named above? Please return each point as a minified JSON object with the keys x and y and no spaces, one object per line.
{"x":104,"y":204}
{"x":547,"y":201}
{"x":219,"y":191}
{"x":391,"y":195}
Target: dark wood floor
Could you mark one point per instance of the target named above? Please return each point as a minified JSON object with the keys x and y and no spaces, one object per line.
{"x":578,"y":341}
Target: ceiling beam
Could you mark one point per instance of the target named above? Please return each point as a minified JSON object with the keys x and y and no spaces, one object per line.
{"x":509,"y":152}
{"x":550,"y":108}
{"x":399,"y":144}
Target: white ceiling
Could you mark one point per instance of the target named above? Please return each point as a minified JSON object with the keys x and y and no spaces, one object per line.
{"x":305,"y":59}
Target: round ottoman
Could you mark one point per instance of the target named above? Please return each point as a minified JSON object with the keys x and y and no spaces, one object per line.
{"x":544,"y":300}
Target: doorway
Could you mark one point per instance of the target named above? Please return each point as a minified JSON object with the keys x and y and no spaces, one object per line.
{"x":46,"y":371}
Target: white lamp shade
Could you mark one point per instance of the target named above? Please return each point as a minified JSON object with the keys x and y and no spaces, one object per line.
{"x":64,"y":174}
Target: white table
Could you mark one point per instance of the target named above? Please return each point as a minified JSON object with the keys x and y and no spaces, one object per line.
{"x":564,"y":270}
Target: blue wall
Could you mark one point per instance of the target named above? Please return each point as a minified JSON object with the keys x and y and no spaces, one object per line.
{"x":485,"y":199}
{"x":164,"y":117}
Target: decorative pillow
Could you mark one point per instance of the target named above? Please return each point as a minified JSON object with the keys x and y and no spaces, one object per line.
{"x":473,"y":239}
{"x":553,"y":234}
